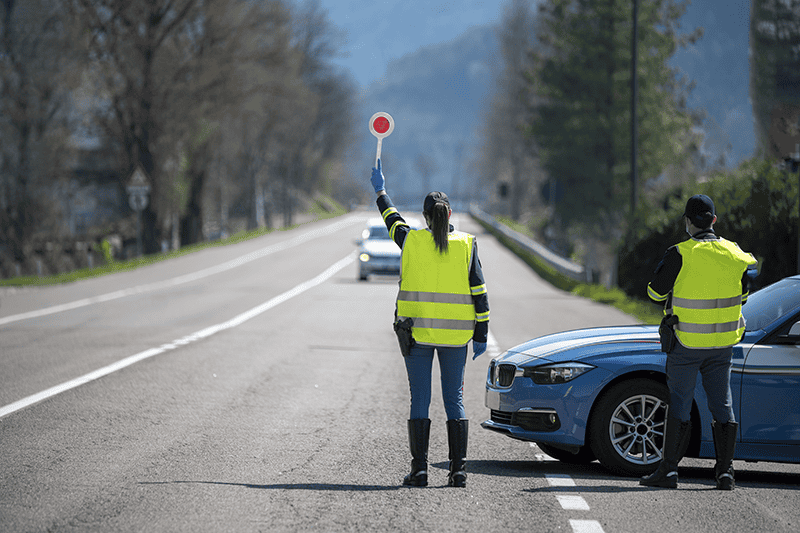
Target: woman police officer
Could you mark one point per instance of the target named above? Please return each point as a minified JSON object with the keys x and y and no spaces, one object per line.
{"x":443,"y":292}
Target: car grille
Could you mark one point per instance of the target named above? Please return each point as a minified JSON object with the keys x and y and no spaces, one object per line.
{"x":502,"y":375}
{"x":505,"y":374}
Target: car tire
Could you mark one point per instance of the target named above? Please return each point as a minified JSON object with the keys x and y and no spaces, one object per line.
{"x":583,"y":457}
{"x":626,"y":427}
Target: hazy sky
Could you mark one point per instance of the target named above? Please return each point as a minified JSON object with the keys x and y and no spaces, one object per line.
{"x":377,"y":31}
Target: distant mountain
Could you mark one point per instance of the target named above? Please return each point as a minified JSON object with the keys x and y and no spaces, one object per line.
{"x":438,"y":94}
{"x":436,"y":97}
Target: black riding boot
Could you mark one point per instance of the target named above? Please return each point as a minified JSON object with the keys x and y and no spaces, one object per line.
{"x":724,"y":448}
{"x":677,"y":432}
{"x":457,"y":433}
{"x":419,"y":432}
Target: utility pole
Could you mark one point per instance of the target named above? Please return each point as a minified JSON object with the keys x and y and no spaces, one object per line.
{"x":634,"y":98}
{"x":795,"y":165}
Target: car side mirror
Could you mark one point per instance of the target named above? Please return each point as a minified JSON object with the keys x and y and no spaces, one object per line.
{"x":793,"y":336}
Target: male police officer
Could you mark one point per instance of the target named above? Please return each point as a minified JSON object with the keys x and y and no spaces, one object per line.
{"x":703,"y":282}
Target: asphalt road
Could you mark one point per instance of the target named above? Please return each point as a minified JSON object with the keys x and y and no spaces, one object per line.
{"x":259,"y":387}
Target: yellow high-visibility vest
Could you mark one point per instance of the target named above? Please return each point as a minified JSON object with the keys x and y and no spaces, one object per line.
{"x":707,"y":296}
{"x":435,"y":290}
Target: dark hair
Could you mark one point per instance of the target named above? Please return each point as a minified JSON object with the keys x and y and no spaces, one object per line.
{"x":439,"y":220}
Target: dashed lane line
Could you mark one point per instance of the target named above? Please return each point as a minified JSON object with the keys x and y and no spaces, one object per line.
{"x":194,"y":337}
{"x":186,"y":278}
{"x":559,"y":480}
{"x":586,"y":526}
{"x":573,"y":502}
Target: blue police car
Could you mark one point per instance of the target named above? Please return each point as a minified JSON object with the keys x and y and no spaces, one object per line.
{"x":601,"y":393}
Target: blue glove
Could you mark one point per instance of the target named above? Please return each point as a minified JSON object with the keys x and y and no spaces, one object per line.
{"x":478,"y":348}
{"x":377,"y":179}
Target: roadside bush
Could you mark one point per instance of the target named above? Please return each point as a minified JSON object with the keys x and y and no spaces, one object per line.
{"x":756,"y":207}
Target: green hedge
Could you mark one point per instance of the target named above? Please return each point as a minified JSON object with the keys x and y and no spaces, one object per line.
{"x":756,"y":207}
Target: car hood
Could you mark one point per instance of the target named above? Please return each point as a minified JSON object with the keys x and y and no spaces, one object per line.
{"x":584,"y":344}
{"x":380,"y":247}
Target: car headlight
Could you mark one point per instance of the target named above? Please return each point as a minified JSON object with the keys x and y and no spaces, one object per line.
{"x":554,"y":374}
{"x":363,"y":258}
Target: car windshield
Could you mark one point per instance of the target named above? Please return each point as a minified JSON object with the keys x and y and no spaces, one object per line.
{"x":771,"y":303}
{"x":378,"y":232}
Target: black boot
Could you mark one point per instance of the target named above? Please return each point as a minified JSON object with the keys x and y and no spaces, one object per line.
{"x":675,"y":440}
{"x":724,"y":448}
{"x":419,"y":432}
{"x":457,"y":433}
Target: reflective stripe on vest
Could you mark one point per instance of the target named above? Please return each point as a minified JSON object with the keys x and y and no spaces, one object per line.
{"x":708,"y":304}
{"x":707,"y":296}
{"x":435,"y":290}
{"x":434,"y":297}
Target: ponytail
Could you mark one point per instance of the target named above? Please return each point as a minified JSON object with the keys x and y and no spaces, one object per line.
{"x":440,"y":225}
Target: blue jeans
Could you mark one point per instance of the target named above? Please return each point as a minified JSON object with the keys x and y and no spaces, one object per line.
{"x":451,"y":363}
{"x":683,"y":364}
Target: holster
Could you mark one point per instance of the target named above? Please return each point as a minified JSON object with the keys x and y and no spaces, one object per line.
{"x":402,"y":328}
{"x":666,"y":332}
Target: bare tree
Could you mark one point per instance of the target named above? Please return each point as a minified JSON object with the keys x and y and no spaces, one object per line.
{"x":37,"y":69}
{"x":508,"y":156}
{"x":165,"y":66}
{"x":322,"y":119}
{"x":257,"y":42}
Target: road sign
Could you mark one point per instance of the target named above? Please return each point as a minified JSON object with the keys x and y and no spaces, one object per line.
{"x":138,"y":197}
{"x":138,"y":182}
{"x":381,"y":125}
{"x":138,"y":189}
{"x":138,"y":200}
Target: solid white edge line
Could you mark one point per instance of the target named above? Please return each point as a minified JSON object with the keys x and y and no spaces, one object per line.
{"x":186,"y":278}
{"x":202,"y":334}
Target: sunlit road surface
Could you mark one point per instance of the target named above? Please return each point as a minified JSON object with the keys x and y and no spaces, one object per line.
{"x":259,"y":387}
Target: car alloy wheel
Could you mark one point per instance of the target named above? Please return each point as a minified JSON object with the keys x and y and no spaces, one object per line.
{"x":627,"y":426}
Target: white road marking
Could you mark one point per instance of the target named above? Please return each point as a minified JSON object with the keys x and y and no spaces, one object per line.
{"x":586,"y":526}
{"x":186,"y":278}
{"x":559,"y":480}
{"x":202,"y":334}
{"x":572,"y":502}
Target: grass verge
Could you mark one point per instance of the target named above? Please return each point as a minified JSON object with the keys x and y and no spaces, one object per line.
{"x":321,"y":210}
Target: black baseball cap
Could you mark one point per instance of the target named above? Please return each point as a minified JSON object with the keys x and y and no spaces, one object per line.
{"x":432,"y":199}
{"x":700,"y":210}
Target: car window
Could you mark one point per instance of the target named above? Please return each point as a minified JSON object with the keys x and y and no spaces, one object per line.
{"x":772,"y":303}
{"x":378,"y":232}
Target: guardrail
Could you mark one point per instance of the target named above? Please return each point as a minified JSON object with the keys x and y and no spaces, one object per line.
{"x":560,"y":264}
